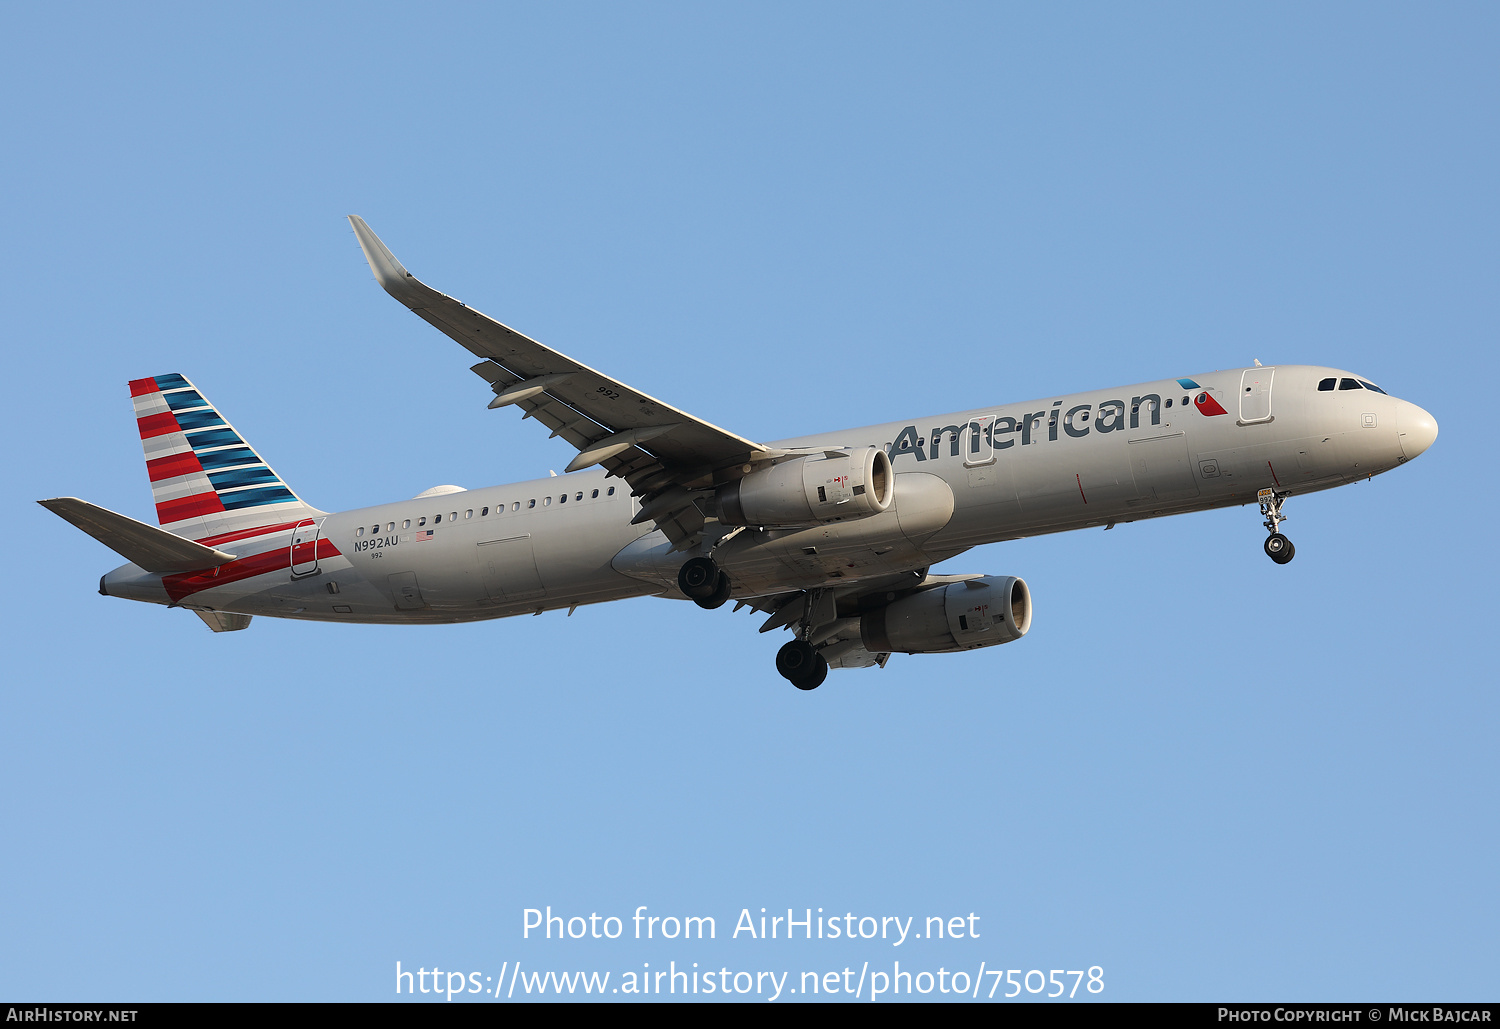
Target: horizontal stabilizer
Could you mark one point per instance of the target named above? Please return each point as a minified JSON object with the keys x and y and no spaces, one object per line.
{"x":155,"y":550}
{"x":224,"y":621}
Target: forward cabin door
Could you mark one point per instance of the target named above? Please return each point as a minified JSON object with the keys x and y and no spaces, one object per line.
{"x":1255,"y":395}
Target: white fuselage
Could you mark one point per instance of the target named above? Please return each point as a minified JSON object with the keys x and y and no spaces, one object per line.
{"x":963,"y":479}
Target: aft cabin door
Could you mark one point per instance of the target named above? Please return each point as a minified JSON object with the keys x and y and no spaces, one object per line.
{"x":305,"y":548}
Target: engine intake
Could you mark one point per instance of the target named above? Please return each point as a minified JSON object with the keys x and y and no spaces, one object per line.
{"x":981,"y":612}
{"x":834,"y":486}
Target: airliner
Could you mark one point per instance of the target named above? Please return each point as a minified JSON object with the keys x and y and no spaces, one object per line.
{"x":831,"y":536}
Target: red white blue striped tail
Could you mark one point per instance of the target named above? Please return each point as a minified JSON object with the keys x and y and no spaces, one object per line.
{"x":205,"y":479}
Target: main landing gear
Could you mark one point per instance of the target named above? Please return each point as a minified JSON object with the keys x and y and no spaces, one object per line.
{"x":800,"y":662}
{"x":1278,"y":547}
{"x":801,"y":665}
{"x":703,"y":583}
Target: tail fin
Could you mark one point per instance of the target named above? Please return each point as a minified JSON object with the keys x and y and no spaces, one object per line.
{"x":206,"y":480}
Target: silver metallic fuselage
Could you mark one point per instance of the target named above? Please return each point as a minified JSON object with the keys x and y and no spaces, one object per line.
{"x":963,"y":479}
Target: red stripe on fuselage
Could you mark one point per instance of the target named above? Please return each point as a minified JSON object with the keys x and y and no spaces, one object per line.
{"x":174,"y":465}
{"x":158,"y":424}
{"x":138,"y":387}
{"x":188,"y":507}
{"x":184,"y":584}
{"x":230,"y":537}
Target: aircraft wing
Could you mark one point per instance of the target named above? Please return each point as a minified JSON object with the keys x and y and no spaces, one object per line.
{"x":662,"y":452}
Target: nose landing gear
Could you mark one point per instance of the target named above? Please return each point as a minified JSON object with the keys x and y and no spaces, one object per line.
{"x":1278,"y":547}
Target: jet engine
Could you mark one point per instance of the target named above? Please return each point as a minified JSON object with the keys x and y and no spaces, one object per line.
{"x":834,"y":486}
{"x":964,"y":615}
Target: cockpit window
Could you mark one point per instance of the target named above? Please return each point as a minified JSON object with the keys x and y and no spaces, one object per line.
{"x":1371,"y":385}
{"x":1349,"y":384}
{"x":1327,"y":384}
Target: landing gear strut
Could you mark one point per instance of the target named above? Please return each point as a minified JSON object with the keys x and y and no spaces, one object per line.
{"x":703,"y":583}
{"x":802,"y":665}
{"x":1278,"y":547}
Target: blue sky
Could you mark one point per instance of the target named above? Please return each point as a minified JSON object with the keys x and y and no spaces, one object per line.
{"x":1212,"y":777}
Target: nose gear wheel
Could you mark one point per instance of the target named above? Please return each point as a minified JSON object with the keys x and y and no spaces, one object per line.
{"x":1278,"y":547}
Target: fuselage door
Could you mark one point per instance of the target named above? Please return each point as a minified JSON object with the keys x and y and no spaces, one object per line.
{"x":1255,"y":395}
{"x":305,"y":548}
{"x":508,"y":568}
{"x":978,"y":446}
{"x":1161,"y":467}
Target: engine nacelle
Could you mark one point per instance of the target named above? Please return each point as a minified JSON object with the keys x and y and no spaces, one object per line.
{"x":960,"y":616}
{"x":834,"y":486}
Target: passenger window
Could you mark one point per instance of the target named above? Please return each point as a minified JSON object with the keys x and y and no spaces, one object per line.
{"x":453,"y":517}
{"x":1324,"y":385}
{"x":1184,"y":401}
{"x":580,"y":495}
{"x":595,"y":496}
{"x":422,"y":521}
{"x":611,"y":491}
{"x":391,"y":527}
{"x":406,"y":523}
{"x":360,"y":531}
{"x":1169,"y":401}
{"x":470,"y":513}
{"x":375,"y":529}
{"x":546,"y":501}
{"x":516,"y":506}
{"x":437,"y":519}
{"x":1348,"y":384}
{"x":531,"y":503}
{"x":563,"y":499}
{"x":483,"y":511}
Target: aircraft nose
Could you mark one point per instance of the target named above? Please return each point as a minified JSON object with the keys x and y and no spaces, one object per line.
{"x":1416,"y":428}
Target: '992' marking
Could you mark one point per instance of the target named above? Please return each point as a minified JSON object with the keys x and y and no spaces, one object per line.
{"x":375,"y":543}
{"x":609,"y":393}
